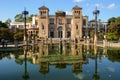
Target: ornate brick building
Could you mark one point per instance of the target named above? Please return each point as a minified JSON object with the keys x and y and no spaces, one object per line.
{"x":60,"y":25}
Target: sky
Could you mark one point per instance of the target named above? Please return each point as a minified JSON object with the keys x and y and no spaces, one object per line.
{"x":107,"y":8}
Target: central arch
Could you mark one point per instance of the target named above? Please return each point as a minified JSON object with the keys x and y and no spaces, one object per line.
{"x":51,"y":32}
{"x":68,"y":32}
{"x":60,"y":32}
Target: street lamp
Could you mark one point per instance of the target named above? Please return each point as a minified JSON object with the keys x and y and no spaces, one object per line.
{"x":87,"y":35}
{"x":105,"y":39}
{"x":105,"y":26}
{"x":25,"y":13}
{"x":96,"y":13}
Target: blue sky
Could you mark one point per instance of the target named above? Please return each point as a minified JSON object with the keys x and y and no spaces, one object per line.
{"x":108,"y":8}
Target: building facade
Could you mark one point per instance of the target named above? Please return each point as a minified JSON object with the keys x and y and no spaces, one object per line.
{"x":60,"y":25}
{"x":19,"y":25}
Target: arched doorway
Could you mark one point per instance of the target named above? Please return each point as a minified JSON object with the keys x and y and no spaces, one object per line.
{"x":60,"y":32}
{"x":51,"y":32}
{"x":68,"y":30}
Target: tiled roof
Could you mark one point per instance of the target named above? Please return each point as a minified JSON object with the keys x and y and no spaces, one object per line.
{"x":76,"y":7}
{"x":43,"y":7}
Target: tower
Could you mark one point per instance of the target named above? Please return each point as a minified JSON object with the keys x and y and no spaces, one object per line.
{"x":43,"y":22}
{"x":77,"y":19}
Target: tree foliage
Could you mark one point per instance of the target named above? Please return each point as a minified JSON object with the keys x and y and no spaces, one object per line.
{"x":29,"y":18}
{"x":5,"y":32}
{"x":3,"y":25}
{"x":20,"y":18}
{"x":112,"y":36}
{"x":114,"y":28}
{"x":111,"y":20}
{"x":18,"y":34}
{"x":8,"y":21}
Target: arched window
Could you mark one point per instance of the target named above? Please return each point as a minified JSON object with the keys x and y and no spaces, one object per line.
{"x":60,"y":32}
{"x":51,"y":32}
{"x":42,"y":26}
{"x":68,"y":30}
{"x":76,"y":26}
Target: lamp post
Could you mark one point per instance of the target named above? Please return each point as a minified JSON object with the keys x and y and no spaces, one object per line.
{"x":105,"y":31}
{"x":105,"y":39}
{"x":25,"y":13}
{"x":96,"y":13}
{"x":87,"y":36}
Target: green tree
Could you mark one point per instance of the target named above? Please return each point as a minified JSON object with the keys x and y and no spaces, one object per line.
{"x":117,"y":20}
{"x":5,"y":32}
{"x":18,"y":34}
{"x":112,"y":36}
{"x":3,"y":25}
{"x":29,"y":18}
{"x":19,"y":18}
{"x":111,"y":20}
{"x":114,"y":28}
{"x":8,"y":21}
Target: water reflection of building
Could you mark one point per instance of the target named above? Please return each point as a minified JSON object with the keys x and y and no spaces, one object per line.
{"x":44,"y":67}
{"x":66,"y":59}
{"x":74,"y":55}
{"x":50,"y":55}
{"x":77,"y":67}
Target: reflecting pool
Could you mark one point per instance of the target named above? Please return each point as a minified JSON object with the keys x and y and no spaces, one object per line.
{"x":60,"y":62}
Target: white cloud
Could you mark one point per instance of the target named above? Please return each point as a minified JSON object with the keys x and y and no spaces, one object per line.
{"x":79,"y":76}
{"x":111,"y":6}
{"x":68,"y":13}
{"x":78,"y":0}
{"x":111,"y":69}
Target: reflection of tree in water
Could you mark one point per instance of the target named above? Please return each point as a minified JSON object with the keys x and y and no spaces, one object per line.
{"x":114,"y":55}
{"x":17,"y":55}
{"x":1,"y":56}
{"x":4,"y":54}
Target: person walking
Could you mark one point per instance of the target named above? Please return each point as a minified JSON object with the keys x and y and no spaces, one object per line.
{"x":3,"y":42}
